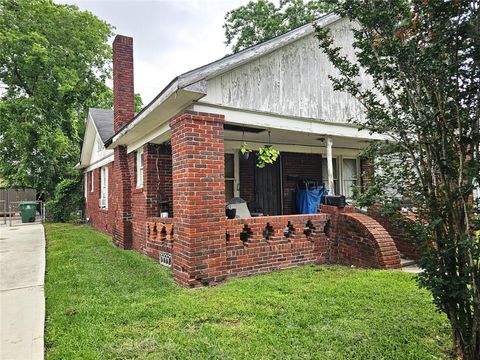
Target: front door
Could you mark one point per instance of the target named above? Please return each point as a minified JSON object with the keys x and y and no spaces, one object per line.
{"x":268,"y":188}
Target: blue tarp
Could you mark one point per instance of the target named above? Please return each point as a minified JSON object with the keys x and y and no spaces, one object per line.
{"x":308,"y":200}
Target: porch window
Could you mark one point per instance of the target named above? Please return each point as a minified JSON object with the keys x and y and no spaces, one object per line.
{"x":104,"y":187}
{"x":350,"y":176}
{"x":335,"y":174}
{"x":92,"y":177}
{"x":139,"y":168}
{"x":229,"y":176}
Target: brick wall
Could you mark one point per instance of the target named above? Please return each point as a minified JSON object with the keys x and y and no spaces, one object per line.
{"x":123,"y":92}
{"x":198,"y":198}
{"x":262,"y":244}
{"x":405,"y":244}
{"x":366,"y":171}
{"x":101,"y":219}
{"x":359,"y":240}
{"x":121,"y":199}
{"x":160,"y":235}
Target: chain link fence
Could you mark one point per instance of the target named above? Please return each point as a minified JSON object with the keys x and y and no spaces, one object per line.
{"x":24,"y":213}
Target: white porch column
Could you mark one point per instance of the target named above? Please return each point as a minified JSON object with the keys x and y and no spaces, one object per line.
{"x":331,"y":186}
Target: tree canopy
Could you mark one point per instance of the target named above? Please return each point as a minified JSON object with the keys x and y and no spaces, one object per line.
{"x":424,"y":60}
{"x":54,"y":60}
{"x":261,"y":20}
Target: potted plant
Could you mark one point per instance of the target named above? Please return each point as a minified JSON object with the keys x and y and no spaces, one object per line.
{"x":267,"y":155}
{"x":245,"y":151}
{"x":230,"y":213}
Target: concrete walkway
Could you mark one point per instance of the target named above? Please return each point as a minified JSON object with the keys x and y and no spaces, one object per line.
{"x":22,"y":300}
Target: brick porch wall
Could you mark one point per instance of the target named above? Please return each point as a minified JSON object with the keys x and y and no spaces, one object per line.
{"x":359,"y":240}
{"x":405,"y":244}
{"x":266,"y":247}
{"x":198,"y":198}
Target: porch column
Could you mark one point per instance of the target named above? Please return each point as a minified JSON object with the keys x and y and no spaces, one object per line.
{"x":331,"y":186}
{"x":199,"y":248}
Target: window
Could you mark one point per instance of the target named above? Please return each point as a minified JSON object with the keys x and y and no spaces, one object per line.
{"x":229,"y":176}
{"x":139,"y":168}
{"x":350,"y":176}
{"x":104,"y":187}
{"x":335,"y":174}
{"x":92,"y":177}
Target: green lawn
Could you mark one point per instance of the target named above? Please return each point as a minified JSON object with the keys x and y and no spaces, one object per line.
{"x":105,"y":303}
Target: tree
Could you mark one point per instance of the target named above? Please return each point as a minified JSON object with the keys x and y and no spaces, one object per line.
{"x":261,"y":20}
{"x":424,"y":60}
{"x":54,"y":60}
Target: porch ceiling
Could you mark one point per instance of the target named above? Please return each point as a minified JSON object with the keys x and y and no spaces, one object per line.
{"x":284,"y":137}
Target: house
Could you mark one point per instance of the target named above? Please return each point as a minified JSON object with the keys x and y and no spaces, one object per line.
{"x":158,"y":181}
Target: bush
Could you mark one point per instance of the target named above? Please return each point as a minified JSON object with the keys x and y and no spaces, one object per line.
{"x":67,"y":201}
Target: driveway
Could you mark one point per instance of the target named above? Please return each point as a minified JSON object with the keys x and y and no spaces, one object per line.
{"x":22,"y":300}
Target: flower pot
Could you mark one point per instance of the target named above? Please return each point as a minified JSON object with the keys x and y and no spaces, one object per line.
{"x":230,"y":213}
{"x":244,"y":156}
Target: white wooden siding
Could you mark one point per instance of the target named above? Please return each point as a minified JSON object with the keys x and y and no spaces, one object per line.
{"x":292,"y":80}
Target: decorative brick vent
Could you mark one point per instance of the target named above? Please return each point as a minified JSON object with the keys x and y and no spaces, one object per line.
{"x":166,"y":259}
{"x":160,"y":236}
{"x":263,"y":244}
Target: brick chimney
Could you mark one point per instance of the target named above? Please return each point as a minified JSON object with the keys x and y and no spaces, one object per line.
{"x":123,"y":93}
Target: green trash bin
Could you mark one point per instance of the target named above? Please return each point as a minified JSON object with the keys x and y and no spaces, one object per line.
{"x":28,"y":210}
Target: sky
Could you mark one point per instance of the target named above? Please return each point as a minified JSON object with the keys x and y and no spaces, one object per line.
{"x":170,"y":37}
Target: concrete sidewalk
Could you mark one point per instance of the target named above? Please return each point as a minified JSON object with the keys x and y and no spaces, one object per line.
{"x":22,"y":299}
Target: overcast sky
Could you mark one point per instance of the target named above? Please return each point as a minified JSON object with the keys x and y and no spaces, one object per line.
{"x":170,"y":37}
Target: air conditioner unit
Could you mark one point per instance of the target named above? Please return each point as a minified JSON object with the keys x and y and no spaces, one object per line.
{"x":103,"y":203}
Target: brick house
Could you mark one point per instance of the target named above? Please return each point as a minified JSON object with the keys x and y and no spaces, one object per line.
{"x":179,"y":157}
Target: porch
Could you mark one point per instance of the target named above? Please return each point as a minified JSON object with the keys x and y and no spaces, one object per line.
{"x":207,"y":172}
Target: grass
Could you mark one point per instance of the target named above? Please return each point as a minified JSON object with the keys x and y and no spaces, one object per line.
{"x":105,"y":303}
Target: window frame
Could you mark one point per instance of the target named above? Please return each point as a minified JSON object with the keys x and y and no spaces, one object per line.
{"x":357,"y":171}
{"x":139,"y":161}
{"x":236,"y":173}
{"x":104,"y":185}
{"x":92,"y":181}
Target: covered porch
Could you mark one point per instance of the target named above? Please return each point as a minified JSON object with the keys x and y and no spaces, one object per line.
{"x":305,"y":161}
{"x":207,"y":171}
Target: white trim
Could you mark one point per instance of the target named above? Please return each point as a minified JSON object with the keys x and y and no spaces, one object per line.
{"x":330,"y":183}
{"x":193,"y":81}
{"x":104,"y":187}
{"x":304,"y":149}
{"x":162,"y":134}
{"x":85,"y":185}
{"x":236,"y":171}
{"x":139,"y":158}
{"x":164,"y":95}
{"x":291,"y":123}
{"x":92,"y":181}
{"x":99,"y":163}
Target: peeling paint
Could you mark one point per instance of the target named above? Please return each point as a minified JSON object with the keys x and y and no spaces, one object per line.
{"x":293,"y":80}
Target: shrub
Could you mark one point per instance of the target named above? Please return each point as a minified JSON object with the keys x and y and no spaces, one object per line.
{"x":67,"y":202}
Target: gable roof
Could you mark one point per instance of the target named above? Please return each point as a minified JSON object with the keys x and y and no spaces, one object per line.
{"x":103,"y":120}
{"x":194,"y":81}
